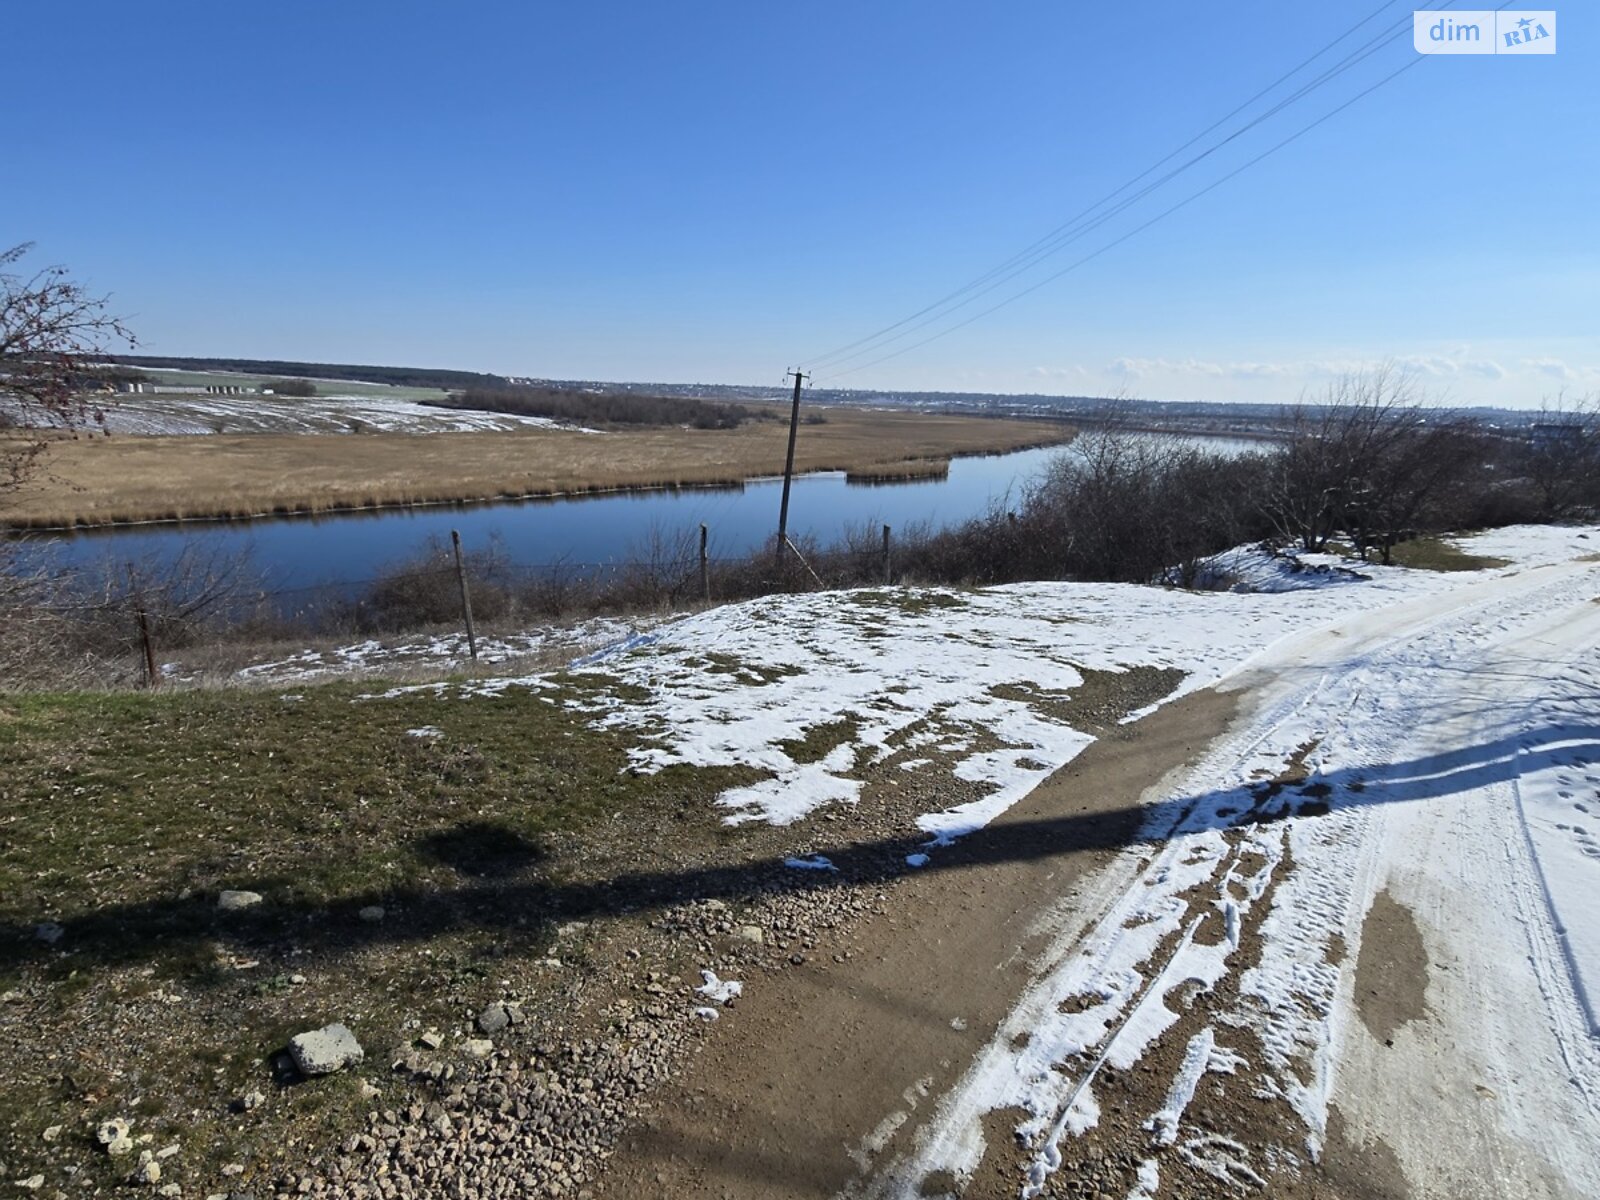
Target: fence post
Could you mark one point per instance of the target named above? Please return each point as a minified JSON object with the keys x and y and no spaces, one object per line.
{"x":705,"y":567}
{"x":151,"y":675}
{"x":466,"y":597}
{"x":888,"y":576}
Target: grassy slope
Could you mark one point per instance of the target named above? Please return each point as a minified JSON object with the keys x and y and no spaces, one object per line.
{"x":122,"y":816}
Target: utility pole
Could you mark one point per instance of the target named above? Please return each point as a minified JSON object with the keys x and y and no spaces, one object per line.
{"x":788,"y":465}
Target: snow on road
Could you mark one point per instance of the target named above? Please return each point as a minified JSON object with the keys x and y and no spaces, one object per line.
{"x":1440,"y":756}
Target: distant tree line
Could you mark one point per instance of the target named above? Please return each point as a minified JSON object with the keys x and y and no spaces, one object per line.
{"x":602,"y":408}
{"x":396,"y":376}
{"x":1369,"y":467}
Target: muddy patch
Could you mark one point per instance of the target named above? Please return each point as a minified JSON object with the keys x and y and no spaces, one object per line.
{"x":1391,"y":969}
{"x":1368,"y":1169}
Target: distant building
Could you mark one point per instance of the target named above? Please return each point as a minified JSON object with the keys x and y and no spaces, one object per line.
{"x":173,"y":389}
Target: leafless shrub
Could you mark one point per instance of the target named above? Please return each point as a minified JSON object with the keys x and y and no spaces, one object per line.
{"x":1560,"y":458}
{"x":1373,"y":463}
{"x":424,"y":591}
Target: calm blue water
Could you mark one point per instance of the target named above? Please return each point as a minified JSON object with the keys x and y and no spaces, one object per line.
{"x":299,"y":552}
{"x":303,"y":551}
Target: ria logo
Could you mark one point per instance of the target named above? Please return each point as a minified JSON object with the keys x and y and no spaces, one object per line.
{"x":1484,"y":32}
{"x":1528,"y":31}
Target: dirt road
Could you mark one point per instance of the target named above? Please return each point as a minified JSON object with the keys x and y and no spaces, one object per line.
{"x":1311,"y":936}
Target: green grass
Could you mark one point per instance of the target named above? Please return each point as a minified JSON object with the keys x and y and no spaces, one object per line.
{"x":822,"y":740}
{"x":913,"y":602}
{"x":124,"y":798}
{"x":1437,"y":554}
{"x":324,"y":387}
{"x":749,"y":674}
{"x":122,"y":816}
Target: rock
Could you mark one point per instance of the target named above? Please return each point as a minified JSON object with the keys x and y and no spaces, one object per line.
{"x":49,"y":932}
{"x":232,"y":1169}
{"x":12,"y":997}
{"x":478,"y":1047}
{"x":372,"y":913}
{"x":171,"y":1189}
{"x":167,"y":1151}
{"x":148,"y":1173}
{"x":32,"y":1183}
{"x":514,"y":1012}
{"x":431,"y":1040}
{"x":232,"y":901}
{"x":324,"y":1051}
{"x":52,"y":1133}
{"x":252,"y":1100}
{"x":369,"y":1092}
{"x":494,"y":1018}
{"x":753,"y":934}
{"x":110,"y":1133}
{"x":297,"y":980}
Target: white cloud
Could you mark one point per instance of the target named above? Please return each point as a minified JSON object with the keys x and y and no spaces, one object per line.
{"x":1453,"y":365}
{"x":1553,"y":368}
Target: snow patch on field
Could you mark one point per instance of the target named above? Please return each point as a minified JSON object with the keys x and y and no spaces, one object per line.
{"x":899,"y":669}
{"x":813,"y":689}
{"x":373,"y":656}
{"x":155,"y":414}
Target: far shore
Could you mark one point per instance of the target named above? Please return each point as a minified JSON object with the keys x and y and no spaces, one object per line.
{"x":101,"y":482}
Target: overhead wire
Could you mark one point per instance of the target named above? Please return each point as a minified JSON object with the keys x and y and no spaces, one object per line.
{"x":1088,"y":221}
{"x":1078,"y":227}
{"x":1185,"y":202}
{"x":958,"y":292}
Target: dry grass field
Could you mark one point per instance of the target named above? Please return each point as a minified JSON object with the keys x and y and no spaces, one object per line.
{"x":107,"y":480}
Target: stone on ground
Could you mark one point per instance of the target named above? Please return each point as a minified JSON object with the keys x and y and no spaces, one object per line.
{"x":324,"y":1051}
{"x":238,"y":901}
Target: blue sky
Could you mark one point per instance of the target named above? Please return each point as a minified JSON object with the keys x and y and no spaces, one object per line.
{"x":714,"y":192}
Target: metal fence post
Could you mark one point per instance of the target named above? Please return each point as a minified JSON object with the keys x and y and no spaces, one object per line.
{"x":705,"y":567}
{"x":151,"y":675}
{"x":466,"y":597}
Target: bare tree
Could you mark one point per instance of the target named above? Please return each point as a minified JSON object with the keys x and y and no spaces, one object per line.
{"x":1398,"y":493}
{"x":1561,"y":459}
{"x":53,"y":331}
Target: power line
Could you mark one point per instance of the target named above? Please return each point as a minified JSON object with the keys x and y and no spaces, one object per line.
{"x":1087,"y":221}
{"x":1141,"y":228}
{"x":1137,"y":229}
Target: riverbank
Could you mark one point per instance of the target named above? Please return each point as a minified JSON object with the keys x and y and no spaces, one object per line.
{"x":112,"y":481}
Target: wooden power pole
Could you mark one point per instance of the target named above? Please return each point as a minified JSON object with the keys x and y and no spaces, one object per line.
{"x":788,"y":466}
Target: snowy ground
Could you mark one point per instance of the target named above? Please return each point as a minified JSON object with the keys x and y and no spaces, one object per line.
{"x":1417,"y":782}
{"x":433,"y":652}
{"x":1445,"y":757}
{"x":155,"y":413}
{"x":1419,"y":744}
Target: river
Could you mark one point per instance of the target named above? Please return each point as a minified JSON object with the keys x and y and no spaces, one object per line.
{"x":574,"y":532}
